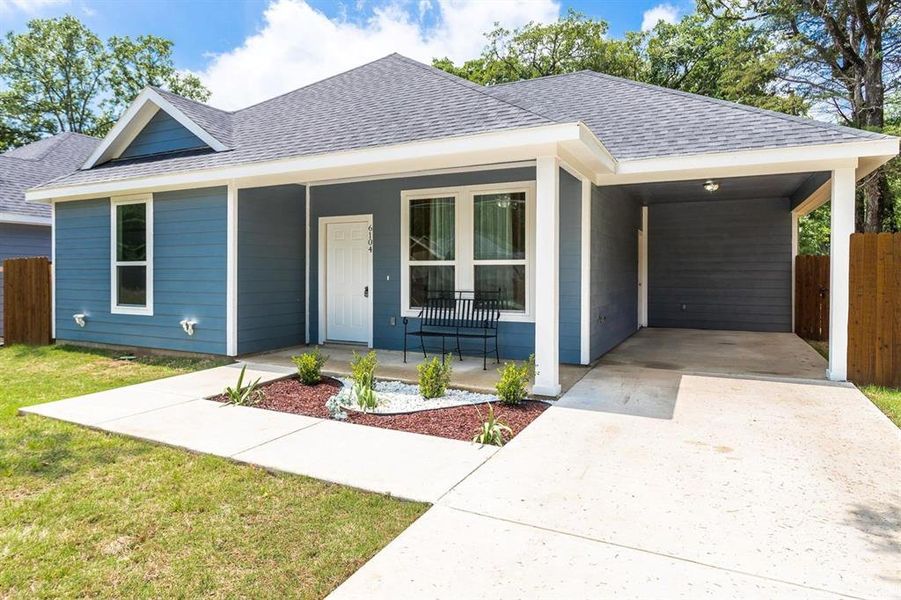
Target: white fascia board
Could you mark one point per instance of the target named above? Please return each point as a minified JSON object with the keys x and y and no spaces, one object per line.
{"x":13,"y":218}
{"x":471,"y":150}
{"x":794,"y":159}
{"x":135,"y":118}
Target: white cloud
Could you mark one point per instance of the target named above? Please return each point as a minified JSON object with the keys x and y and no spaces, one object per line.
{"x":298,"y":44}
{"x":662,"y":12}
{"x":29,"y":7}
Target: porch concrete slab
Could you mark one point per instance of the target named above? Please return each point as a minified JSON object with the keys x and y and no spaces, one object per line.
{"x":402,"y":464}
{"x":98,"y":408}
{"x":209,"y":382}
{"x":790,"y":481}
{"x":449,"y":553}
{"x":211,"y":427}
{"x":468,"y":373}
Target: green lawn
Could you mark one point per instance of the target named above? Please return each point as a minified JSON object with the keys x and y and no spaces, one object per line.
{"x":84,"y":513}
{"x":888,"y":400}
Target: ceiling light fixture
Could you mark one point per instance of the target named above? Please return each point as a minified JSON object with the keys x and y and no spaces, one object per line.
{"x":711,"y":186}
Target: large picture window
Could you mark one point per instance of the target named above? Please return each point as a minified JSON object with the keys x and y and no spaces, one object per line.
{"x":478,"y":238}
{"x":131,"y":255}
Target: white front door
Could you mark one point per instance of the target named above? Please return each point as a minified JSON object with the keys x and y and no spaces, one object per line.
{"x":348,"y":279}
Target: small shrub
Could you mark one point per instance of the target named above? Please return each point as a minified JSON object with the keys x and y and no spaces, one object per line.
{"x":511,"y":388}
{"x":309,"y":366}
{"x":362,"y":371}
{"x":244,"y":395}
{"x":435,"y":375}
{"x":492,"y":431}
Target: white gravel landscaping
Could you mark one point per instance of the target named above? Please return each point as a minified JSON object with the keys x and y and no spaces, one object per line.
{"x":398,"y":397}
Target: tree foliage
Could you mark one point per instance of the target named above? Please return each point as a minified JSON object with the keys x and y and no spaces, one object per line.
{"x":844,"y":54}
{"x":60,"y":76}
{"x":699,"y":54}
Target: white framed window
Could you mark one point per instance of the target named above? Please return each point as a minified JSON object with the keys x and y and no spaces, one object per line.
{"x":477,"y":238}
{"x":131,"y":255}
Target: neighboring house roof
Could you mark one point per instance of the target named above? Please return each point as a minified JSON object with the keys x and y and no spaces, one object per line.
{"x":36,"y":163}
{"x":397,"y":100}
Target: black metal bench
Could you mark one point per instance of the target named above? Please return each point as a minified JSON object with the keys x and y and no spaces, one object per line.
{"x":458,"y":315}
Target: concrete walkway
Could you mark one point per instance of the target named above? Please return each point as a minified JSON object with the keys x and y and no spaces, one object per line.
{"x":645,"y":482}
{"x":172,"y":411}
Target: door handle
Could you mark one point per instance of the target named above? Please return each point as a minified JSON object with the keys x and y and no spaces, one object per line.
{"x":366,"y":292}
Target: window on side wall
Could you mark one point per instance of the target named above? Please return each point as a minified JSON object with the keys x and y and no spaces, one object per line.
{"x":476,"y":238}
{"x":131,"y":252}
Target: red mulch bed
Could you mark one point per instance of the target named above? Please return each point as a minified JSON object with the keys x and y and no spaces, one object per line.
{"x":456,"y":423}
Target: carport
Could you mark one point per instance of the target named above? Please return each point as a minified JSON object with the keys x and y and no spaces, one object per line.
{"x":718,"y":252}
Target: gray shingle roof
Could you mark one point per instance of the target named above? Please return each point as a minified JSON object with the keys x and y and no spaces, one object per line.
{"x":36,"y":163}
{"x":395,"y":100}
{"x":636,"y":120}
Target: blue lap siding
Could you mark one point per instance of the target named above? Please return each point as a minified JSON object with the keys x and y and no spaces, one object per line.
{"x":162,"y":134}
{"x":615,"y":221}
{"x":189,"y":246}
{"x":271,"y":269}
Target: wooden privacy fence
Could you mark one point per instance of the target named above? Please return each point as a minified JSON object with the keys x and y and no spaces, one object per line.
{"x":26,"y":301}
{"x":812,"y":297}
{"x":874,"y":322}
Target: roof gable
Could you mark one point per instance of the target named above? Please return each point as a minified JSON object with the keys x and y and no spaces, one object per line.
{"x":142,"y":111}
{"x":162,"y":134}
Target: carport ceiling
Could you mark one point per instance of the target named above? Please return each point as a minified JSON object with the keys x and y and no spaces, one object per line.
{"x":733,"y":188}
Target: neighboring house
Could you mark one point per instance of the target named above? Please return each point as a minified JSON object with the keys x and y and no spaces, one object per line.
{"x":595,"y":203}
{"x":25,"y":227}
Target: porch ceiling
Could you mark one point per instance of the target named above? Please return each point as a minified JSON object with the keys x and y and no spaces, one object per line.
{"x":730,"y":188}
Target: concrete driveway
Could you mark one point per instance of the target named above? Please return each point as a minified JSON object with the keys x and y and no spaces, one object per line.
{"x":687,"y":464}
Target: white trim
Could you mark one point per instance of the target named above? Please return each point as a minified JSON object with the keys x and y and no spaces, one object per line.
{"x":16,"y":219}
{"x":323,"y":267}
{"x":115,"y":308}
{"x":464,"y":262}
{"x":643,"y":270}
{"x":456,"y":152}
{"x":449,"y":171}
{"x":135,"y":118}
{"x":53,"y":271}
{"x":547,"y":278}
{"x":306,"y":264}
{"x":793,"y":159}
{"x":231,"y":276}
{"x":794,"y":259}
{"x":841,"y":228}
{"x":585,"y":300}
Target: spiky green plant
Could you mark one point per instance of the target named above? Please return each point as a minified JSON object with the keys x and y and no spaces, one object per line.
{"x":492,"y":431}
{"x":244,"y":395}
{"x":362,"y":370}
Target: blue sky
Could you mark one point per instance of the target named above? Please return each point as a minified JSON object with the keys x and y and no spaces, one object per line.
{"x":248,"y":50}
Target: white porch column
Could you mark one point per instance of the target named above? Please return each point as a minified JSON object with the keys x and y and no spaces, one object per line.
{"x":841,"y":228}
{"x":547,"y":259}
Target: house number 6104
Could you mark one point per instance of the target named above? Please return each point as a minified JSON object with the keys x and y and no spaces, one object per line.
{"x":370,"y":239}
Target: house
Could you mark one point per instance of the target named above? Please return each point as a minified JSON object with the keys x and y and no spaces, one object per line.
{"x":597,"y":204}
{"x":25,"y":227}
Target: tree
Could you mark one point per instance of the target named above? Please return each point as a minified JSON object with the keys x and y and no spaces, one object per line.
{"x":718,"y":58}
{"x":843,"y":53}
{"x":699,"y":54}
{"x":573,"y":43}
{"x":59,"y":76}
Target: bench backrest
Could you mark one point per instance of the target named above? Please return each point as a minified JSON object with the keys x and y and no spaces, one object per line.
{"x":461,"y":309}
